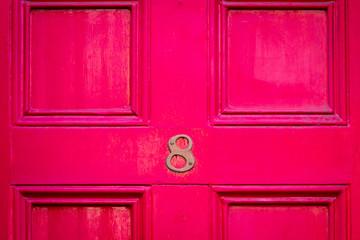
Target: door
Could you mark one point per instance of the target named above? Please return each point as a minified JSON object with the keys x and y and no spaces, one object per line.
{"x":164,"y":119}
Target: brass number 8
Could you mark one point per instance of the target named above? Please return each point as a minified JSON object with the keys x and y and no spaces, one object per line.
{"x":185,"y":153}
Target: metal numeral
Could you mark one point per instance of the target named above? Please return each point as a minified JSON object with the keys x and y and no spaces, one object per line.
{"x":185,"y":153}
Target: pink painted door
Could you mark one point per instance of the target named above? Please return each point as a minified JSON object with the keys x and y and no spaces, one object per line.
{"x":186,"y":119}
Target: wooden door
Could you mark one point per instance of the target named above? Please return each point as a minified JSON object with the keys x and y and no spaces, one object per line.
{"x":263,"y":97}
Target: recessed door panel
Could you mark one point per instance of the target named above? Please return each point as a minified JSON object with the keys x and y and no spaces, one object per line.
{"x":280,"y":212}
{"x":278,"y":63}
{"x":277,"y":60}
{"x":82,"y":64}
{"x":81,"y":222}
{"x":81,"y":212}
{"x":278,"y":222}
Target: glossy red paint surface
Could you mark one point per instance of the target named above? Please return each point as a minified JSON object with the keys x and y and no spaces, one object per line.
{"x":280,"y":212}
{"x":290,"y":72}
{"x":268,"y":92}
{"x":70,"y":212}
{"x":277,"y":222}
{"x":98,"y":41}
{"x":5,"y":44}
{"x":188,"y":220}
{"x":90,"y":222}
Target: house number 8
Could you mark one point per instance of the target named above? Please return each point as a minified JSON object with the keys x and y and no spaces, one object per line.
{"x":184,"y":153}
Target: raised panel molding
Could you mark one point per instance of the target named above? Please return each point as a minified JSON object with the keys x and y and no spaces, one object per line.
{"x":135,"y":113}
{"x":136,"y":198}
{"x":224,"y":113}
{"x":333,"y":198}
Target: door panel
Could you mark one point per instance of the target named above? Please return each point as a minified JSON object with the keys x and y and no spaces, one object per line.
{"x":99,"y":41}
{"x":280,"y":212}
{"x":222,"y":155}
{"x":278,"y":222}
{"x":181,"y":212}
{"x":85,"y":222}
{"x":178,"y":63}
{"x":85,"y":63}
{"x":278,"y":63}
{"x":78,"y":212}
{"x":279,"y":70}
